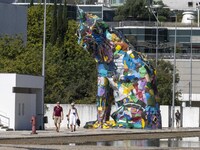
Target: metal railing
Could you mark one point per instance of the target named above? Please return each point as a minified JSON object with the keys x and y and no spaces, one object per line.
{"x":171,"y":56}
{"x":148,"y":24}
{"x":5,"y":121}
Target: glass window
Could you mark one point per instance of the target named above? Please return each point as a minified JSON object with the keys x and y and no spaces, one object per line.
{"x":141,"y":31}
{"x":113,"y":1}
{"x":133,"y":31}
{"x":196,"y":32}
{"x":183,"y":32}
{"x":171,"y":32}
{"x":125,"y":31}
{"x":183,"y":39}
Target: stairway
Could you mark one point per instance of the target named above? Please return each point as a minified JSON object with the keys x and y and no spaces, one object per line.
{"x":5,"y":128}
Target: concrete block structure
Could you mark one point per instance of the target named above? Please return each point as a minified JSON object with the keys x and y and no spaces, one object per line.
{"x":21,"y":98}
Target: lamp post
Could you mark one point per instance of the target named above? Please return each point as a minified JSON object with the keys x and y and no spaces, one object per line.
{"x":198,"y":7}
{"x":43,"y":61}
{"x":190,"y":89}
{"x":152,"y":10}
{"x":157,"y":40}
{"x":190,"y":82}
{"x":174,"y":73}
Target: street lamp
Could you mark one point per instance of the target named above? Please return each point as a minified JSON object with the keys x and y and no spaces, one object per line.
{"x":198,"y":7}
{"x":43,"y":61}
{"x":174,"y":72}
{"x":190,"y":82}
{"x":152,"y":10}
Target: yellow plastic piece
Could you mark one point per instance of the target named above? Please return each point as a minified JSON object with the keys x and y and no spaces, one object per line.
{"x":126,"y":91}
{"x":132,"y":56}
{"x":143,"y":123}
{"x":105,"y":126}
{"x":118,"y":47}
{"x":96,"y":125}
{"x":105,"y":58}
{"x":120,"y":125}
{"x":125,"y":65}
{"x":155,"y":72}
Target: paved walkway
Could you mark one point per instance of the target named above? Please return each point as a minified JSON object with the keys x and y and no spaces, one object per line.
{"x":49,"y":139}
{"x":89,"y":132}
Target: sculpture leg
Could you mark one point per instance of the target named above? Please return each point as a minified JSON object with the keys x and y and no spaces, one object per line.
{"x":104,"y":99}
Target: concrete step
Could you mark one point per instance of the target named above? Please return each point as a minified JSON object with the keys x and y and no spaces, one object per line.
{"x":5,"y":128}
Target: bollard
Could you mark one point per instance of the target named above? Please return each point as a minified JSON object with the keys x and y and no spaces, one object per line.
{"x":33,"y":123}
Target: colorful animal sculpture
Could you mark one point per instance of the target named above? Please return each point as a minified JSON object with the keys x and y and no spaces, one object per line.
{"x":124,"y":75}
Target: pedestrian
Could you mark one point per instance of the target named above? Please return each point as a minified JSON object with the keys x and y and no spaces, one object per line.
{"x":178,"y":117}
{"x":57,"y":116}
{"x":73,"y":116}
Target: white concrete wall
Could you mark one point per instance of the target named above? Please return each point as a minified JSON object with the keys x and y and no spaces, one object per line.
{"x":191,"y":117}
{"x":89,"y":113}
{"x":165,"y":115}
{"x":7,"y":97}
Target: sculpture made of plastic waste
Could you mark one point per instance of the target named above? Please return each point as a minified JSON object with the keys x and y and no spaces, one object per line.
{"x":125,"y":77}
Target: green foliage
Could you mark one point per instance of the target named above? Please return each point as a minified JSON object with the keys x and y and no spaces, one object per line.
{"x":36,"y":24}
{"x":54,"y":24}
{"x":69,"y":73}
{"x":136,"y":10}
{"x":165,"y":82}
{"x":60,"y":26}
{"x":132,"y":9}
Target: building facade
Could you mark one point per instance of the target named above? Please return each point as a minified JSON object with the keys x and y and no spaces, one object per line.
{"x":13,"y":20}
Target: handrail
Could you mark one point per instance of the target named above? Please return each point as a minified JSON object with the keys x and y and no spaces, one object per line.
{"x":4,"y":122}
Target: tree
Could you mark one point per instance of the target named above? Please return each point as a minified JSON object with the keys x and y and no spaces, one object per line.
{"x":54,"y":24}
{"x":60,"y":36}
{"x":31,"y":3}
{"x":65,"y":19}
{"x":164,"y":82}
{"x":134,"y":10}
{"x":36,"y":24}
{"x":163,"y":13}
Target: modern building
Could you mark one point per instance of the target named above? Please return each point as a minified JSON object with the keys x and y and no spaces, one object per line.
{"x":184,"y":5}
{"x":145,"y":37}
{"x":112,"y":3}
{"x":13,"y":19}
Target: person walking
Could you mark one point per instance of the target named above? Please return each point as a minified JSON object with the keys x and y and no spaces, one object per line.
{"x":178,"y":117}
{"x":57,"y":116}
{"x":73,"y":116}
